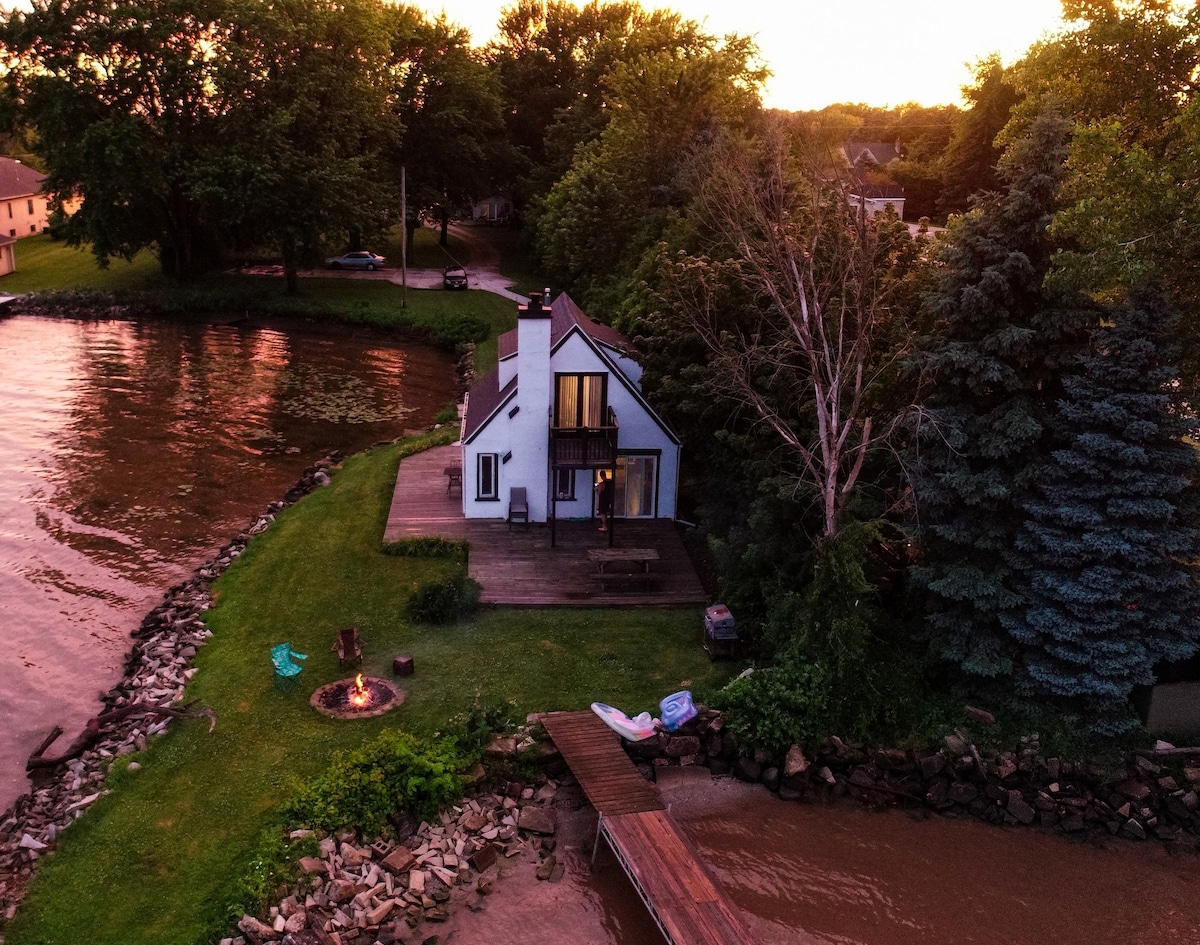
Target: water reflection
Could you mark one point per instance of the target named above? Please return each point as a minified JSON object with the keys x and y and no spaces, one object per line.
{"x":129,"y":451}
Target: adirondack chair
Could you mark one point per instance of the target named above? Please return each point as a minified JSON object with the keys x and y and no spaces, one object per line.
{"x":348,"y":646}
{"x":518,"y":506}
{"x":286,"y":669}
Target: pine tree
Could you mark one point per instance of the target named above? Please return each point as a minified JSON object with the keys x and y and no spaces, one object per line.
{"x":991,"y":367}
{"x":1110,"y":542}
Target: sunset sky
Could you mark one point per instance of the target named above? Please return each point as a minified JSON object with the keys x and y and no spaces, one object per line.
{"x":882,"y":52}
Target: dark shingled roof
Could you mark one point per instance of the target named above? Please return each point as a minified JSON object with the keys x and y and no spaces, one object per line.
{"x":18,"y":180}
{"x":486,"y":396}
{"x":565,"y":315}
{"x":874,"y":152}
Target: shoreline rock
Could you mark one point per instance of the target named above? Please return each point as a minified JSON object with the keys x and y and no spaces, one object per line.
{"x":157,"y":669}
{"x":1019,"y":788}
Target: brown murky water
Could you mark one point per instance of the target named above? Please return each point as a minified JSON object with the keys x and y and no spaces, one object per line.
{"x":130,"y":451}
{"x":819,"y":875}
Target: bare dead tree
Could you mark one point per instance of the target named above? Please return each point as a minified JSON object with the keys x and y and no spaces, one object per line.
{"x":820,"y":331}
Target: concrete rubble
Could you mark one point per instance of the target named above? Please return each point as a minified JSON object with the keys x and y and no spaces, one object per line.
{"x":363,"y":891}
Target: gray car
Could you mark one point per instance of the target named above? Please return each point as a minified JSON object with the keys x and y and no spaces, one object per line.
{"x":363,"y":259}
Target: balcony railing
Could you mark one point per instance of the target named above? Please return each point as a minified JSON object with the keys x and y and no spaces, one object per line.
{"x":585,"y":447}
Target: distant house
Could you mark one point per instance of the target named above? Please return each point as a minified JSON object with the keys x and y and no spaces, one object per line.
{"x":564,"y":402}
{"x":873,"y":198}
{"x":870,"y":187}
{"x":24,"y":206}
{"x":871,"y":153}
{"x":492,"y":210}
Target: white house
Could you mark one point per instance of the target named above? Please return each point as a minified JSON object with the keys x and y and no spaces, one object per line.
{"x":563,"y":403}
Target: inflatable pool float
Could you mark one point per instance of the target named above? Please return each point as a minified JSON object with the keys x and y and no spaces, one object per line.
{"x":637,"y":729}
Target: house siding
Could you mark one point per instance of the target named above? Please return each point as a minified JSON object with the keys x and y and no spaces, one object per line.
{"x":518,"y":430}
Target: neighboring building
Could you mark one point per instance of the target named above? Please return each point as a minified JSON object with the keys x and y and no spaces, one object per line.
{"x":492,"y":210}
{"x":7,"y":261}
{"x":870,"y":188}
{"x":24,"y":207}
{"x":562,"y":403}
{"x":873,"y":198}
{"x":871,"y":153}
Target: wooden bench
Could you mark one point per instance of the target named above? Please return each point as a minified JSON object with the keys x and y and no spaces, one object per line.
{"x":619,"y":580}
{"x":623,"y":567}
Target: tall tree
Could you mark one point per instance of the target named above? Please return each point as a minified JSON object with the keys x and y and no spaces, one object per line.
{"x":622,"y":188}
{"x":448,"y":103}
{"x":992,"y":365}
{"x":816,"y":335}
{"x":554,"y":60}
{"x":179,"y":123}
{"x":122,"y":98}
{"x":968,"y":165}
{"x":1110,"y":542}
{"x":300,"y":157}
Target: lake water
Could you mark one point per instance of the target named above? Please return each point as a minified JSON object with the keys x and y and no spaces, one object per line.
{"x":130,"y":451}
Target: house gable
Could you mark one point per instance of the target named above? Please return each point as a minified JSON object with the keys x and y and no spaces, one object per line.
{"x":508,"y":426}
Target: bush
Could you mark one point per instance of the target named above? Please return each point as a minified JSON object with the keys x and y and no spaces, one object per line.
{"x":428,"y":547}
{"x":454,"y":331}
{"x":775,"y":708}
{"x":445,"y":599}
{"x":394,"y":773}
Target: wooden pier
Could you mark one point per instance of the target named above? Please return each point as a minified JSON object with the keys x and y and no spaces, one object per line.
{"x":660,"y":861}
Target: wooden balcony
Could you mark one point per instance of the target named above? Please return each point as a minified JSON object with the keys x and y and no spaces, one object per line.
{"x":585,"y":447}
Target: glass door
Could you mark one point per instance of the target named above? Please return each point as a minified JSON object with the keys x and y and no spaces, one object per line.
{"x":633,"y":495}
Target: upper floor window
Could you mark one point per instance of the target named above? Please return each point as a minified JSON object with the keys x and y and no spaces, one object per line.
{"x":580,"y":400}
{"x":30,"y":203}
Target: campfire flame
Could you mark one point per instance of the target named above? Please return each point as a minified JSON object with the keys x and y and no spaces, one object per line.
{"x":360,"y":695}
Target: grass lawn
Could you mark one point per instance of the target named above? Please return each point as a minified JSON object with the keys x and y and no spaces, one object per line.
{"x":157,"y":860}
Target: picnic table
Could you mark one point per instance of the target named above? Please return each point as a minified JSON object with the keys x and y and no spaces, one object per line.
{"x":623,"y":566}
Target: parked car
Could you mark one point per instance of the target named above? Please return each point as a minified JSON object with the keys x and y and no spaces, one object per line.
{"x":455,"y":277}
{"x":363,"y":259}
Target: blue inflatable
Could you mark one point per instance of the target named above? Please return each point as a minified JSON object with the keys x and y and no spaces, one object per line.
{"x":676,"y":709}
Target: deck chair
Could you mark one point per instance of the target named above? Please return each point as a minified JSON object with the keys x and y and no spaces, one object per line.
{"x":287,"y":671}
{"x":348,"y":646}
{"x":518,"y":506}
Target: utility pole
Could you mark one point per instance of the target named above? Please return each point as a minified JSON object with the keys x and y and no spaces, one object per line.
{"x":403,"y":240}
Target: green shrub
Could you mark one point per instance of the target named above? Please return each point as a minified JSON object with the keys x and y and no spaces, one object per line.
{"x":451,"y":331}
{"x":273,"y":866}
{"x":445,"y":599}
{"x":447,"y":415}
{"x":775,"y":708}
{"x":394,"y":773}
{"x":428,"y":547}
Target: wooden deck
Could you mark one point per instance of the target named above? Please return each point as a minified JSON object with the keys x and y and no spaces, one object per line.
{"x":661,"y":862}
{"x":515,"y":565}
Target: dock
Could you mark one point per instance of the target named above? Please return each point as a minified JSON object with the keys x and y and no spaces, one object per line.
{"x":661,"y":863}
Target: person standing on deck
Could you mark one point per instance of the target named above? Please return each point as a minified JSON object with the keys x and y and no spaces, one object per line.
{"x":604,"y":499}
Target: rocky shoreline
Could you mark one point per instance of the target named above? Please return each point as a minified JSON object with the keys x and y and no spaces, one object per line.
{"x":1142,"y":801}
{"x":157,"y":669}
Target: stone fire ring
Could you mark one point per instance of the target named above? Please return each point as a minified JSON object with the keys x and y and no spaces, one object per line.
{"x":333,"y":699}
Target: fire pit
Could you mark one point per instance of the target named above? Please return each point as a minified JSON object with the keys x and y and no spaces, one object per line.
{"x":360,"y":698}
